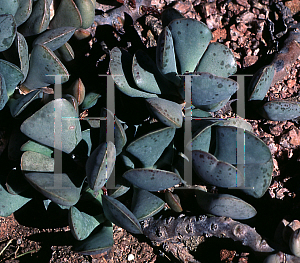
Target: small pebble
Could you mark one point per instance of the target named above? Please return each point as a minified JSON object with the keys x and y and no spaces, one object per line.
{"x":130,"y":257}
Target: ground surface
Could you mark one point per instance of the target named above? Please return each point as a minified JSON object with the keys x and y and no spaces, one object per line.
{"x":240,"y":25}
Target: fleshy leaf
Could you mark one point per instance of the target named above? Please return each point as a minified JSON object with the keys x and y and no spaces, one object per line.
{"x":40,"y":126}
{"x":18,"y":105}
{"x":3,"y":93}
{"x":145,"y":204}
{"x":173,"y":201}
{"x":8,"y":31}
{"x":39,"y":19}
{"x":168,"y":112}
{"x":294,"y":243}
{"x":36,"y":147}
{"x":149,"y":147}
{"x":168,"y":15}
{"x":257,"y":164}
{"x":281,"y":110}
{"x":54,"y":38}
{"x":10,"y":203}
{"x":197,"y":113}
{"x":218,"y":60}
{"x":86,"y":135}
{"x":65,"y":53}
{"x":215,"y":106}
{"x":261,"y":82}
{"x":147,"y":76}
{"x":82,"y":224}
{"x":100,"y":164}
{"x":120,"y":136}
{"x":12,"y":75}
{"x":202,"y":137}
{"x":122,"y":189}
{"x":100,"y":241}
{"x":8,"y":7}
{"x":225,"y":205}
{"x":236,"y":122}
{"x":216,"y":172}
{"x":165,"y":56}
{"x":90,"y":100}
{"x":152,"y":180}
{"x":23,"y":12}
{"x":87,"y":11}
{"x":208,"y":89}
{"x":43,"y":67}
{"x":77,"y":90}
{"x":67,"y":193}
{"x":120,"y":67}
{"x":36,"y":162}
{"x":191,"y":38}
{"x":67,"y":14}
{"x":18,"y":54}
{"x":120,"y":215}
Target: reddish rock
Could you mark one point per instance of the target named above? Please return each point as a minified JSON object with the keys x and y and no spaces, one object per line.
{"x":209,"y":9}
{"x":183,"y":7}
{"x":234,"y":33}
{"x":214,"y":21}
{"x":294,"y":6}
{"x":249,"y":61}
{"x":295,"y":136}
{"x":291,"y":83}
{"x":243,"y":3}
{"x":242,"y":27}
{"x":219,"y":33}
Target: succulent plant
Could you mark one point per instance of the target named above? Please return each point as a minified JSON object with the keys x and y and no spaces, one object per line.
{"x":151,"y":158}
{"x":277,"y":110}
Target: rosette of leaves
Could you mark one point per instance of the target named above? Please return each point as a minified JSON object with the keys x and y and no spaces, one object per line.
{"x":280,"y":109}
{"x":183,"y":48}
{"x":36,"y":66}
{"x":184,"y":51}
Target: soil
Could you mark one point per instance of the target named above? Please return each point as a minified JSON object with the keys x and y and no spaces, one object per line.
{"x":242,"y":26}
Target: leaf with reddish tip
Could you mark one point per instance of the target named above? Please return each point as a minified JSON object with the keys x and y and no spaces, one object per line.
{"x":39,"y":19}
{"x":67,"y":14}
{"x":54,"y":38}
{"x":43,"y":67}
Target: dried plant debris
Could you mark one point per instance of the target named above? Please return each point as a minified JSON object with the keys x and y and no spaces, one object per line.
{"x":171,"y":232}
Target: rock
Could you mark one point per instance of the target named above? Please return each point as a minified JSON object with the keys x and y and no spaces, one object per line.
{"x":219,"y":34}
{"x":249,"y":61}
{"x":242,"y":27}
{"x":293,"y":5}
{"x":234,"y":33}
{"x":295,"y":136}
{"x":214,"y":21}
{"x":243,"y":3}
